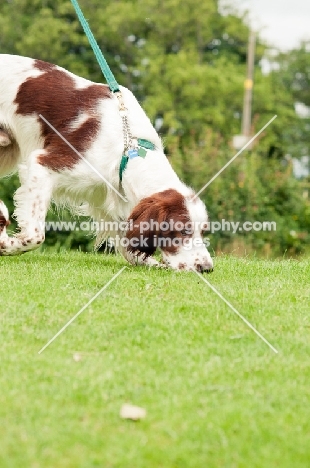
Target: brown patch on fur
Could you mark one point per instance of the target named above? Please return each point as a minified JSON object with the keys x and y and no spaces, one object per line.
{"x":160,"y":207}
{"x":3,"y":222}
{"x":44,"y":66}
{"x":54,"y":95}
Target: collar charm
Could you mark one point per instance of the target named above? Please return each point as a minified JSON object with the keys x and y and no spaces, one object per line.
{"x":139,"y":151}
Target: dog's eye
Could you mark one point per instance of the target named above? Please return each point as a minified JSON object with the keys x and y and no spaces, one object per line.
{"x":184,"y":232}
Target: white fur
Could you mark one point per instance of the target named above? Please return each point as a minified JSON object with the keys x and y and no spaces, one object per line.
{"x":81,"y":187}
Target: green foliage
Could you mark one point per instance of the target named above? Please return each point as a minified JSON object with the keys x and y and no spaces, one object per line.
{"x":293,"y":74}
{"x":295,"y":71}
{"x":185,"y":61}
{"x":252,"y":189}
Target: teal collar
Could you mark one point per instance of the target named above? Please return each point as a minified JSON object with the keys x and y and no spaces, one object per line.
{"x":140,"y":151}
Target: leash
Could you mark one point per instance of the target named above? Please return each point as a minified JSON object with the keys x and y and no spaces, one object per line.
{"x":133,"y":147}
{"x":113,"y":84}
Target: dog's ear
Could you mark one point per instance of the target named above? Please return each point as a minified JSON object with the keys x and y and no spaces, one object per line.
{"x":142,"y":232}
{"x":145,"y":226}
{"x":3,"y":222}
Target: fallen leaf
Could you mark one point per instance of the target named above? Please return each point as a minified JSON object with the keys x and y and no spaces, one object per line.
{"x":77,"y":357}
{"x":135,"y":413}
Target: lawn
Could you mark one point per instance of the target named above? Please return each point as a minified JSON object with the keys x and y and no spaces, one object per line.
{"x":216,"y":395}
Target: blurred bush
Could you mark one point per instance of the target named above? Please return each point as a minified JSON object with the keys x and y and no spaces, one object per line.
{"x":185,"y":60}
{"x":253,"y":188}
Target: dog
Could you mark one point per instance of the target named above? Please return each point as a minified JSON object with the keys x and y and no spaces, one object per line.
{"x":66,"y":138}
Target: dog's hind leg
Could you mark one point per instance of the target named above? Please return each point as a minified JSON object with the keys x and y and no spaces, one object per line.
{"x":32,"y":200}
{"x":9,"y":150}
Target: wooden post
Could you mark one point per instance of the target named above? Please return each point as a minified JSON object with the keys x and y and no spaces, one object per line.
{"x":248,"y":87}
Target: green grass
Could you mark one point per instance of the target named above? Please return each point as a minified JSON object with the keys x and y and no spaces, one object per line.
{"x":216,"y":396}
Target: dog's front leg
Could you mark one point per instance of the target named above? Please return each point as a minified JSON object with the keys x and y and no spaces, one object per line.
{"x":32,"y":201}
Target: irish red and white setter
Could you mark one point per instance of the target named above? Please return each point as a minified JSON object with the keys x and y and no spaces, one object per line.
{"x":161,"y":211}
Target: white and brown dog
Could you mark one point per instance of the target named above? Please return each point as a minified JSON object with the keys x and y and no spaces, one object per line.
{"x":87,"y":115}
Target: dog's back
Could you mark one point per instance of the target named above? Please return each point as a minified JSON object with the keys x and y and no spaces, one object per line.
{"x":28,"y":88}
{"x":13,"y":70}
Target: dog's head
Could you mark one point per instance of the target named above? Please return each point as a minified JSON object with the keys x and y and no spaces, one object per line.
{"x":173,"y":223}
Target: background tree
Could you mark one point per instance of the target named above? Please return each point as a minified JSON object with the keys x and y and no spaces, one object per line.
{"x":185,"y":61}
{"x":293,"y":73}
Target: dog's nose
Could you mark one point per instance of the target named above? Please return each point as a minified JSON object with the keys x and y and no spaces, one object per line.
{"x":204,"y":266}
